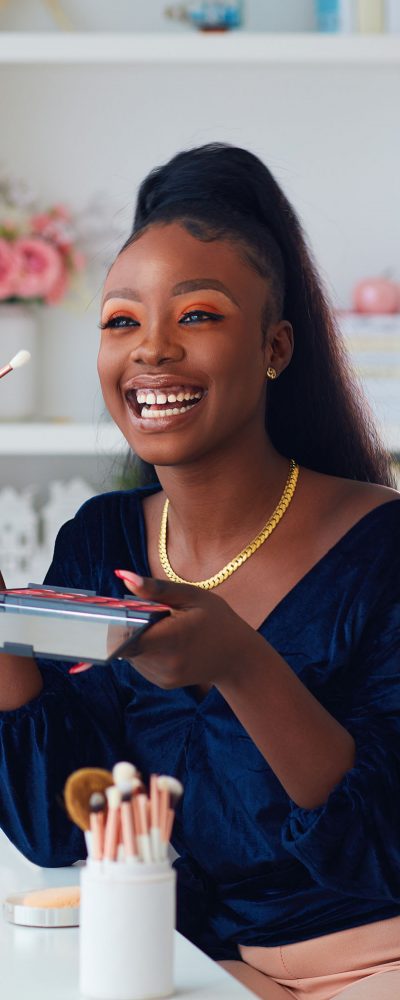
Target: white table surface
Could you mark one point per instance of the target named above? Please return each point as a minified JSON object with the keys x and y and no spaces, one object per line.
{"x":42,"y":964}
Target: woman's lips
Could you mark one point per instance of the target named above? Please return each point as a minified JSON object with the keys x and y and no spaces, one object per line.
{"x":155,"y":415}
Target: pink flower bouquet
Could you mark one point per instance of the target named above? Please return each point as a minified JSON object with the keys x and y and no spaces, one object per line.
{"x":38,"y":256}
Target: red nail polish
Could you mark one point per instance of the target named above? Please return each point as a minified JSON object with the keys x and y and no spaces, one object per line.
{"x":79,"y":668}
{"x":125,"y":574}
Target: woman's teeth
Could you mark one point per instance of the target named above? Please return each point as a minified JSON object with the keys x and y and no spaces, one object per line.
{"x":153,"y":401}
{"x":155,"y":396}
{"x":166,"y":413}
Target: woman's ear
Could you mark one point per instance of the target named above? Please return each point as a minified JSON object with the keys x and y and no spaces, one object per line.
{"x":279,"y":345}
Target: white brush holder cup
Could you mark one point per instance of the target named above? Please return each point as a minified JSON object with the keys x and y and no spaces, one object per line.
{"x":127,"y":920}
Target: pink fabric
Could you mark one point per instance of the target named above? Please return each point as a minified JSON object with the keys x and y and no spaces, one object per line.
{"x":362,"y":963}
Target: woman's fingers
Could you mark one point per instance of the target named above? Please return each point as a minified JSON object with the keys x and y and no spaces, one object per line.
{"x":175,"y":595}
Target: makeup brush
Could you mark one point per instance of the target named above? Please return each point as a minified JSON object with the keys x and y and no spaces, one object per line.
{"x":142,"y":827}
{"x":97,"y":808}
{"x":155,"y":832}
{"x":124,"y":775}
{"x":170,"y":790}
{"x":19,"y":359}
{"x":111,"y":835}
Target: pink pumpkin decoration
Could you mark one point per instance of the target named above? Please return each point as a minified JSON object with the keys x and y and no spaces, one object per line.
{"x":376,"y":295}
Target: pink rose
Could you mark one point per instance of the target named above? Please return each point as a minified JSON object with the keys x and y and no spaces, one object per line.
{"x":59,"y":290}
{"x":40,"y":267}
{"x":53,"y":228}
{"x":77,"y":260}
{"x":40,"y":222}
{"x":62,"y":212}
{"x":9,"y":268}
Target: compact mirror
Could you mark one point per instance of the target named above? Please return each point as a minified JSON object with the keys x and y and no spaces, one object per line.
{"x":53,"y":623}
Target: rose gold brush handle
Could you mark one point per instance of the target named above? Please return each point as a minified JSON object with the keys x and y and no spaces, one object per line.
{"x":97,"y":830}
{"x":128,"y":830}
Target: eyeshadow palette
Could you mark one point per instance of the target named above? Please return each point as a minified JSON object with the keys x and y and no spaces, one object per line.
{"x":63,"y":624}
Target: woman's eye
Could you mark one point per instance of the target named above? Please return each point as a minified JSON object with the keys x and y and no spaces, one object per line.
{"x":119,"y":323}
{"x":199,"y":316}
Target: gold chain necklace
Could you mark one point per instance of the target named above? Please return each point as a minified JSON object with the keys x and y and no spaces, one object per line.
{"x":248,"y":551}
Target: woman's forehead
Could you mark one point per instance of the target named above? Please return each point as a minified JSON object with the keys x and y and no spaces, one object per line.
{"x":171,"y":253}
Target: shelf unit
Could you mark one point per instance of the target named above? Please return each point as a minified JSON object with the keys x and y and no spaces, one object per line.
{"x":301,"y":49}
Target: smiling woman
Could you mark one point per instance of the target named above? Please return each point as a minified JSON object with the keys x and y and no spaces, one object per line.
{"x":274,"y":698}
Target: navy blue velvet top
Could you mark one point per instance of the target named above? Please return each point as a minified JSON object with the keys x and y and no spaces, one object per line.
{"x":254,"y":868}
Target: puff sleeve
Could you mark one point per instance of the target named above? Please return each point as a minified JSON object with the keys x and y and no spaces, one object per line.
{"x":351,"y":843}
{"x":72,"y":723}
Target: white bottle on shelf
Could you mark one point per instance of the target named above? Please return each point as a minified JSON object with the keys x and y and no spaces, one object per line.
{"x":347,"y":17}
{"x":370,"y":16}
{"x":392,"y":16}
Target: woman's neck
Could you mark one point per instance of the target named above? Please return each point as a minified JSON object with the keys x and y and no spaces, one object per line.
{"x":222,"y":497}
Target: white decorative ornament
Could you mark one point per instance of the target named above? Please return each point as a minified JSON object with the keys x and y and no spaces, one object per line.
{"x":18,"y":534}
{"x":64,"y":501}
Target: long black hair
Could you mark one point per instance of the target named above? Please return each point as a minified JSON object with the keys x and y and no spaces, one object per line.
{"x":316,"y":410}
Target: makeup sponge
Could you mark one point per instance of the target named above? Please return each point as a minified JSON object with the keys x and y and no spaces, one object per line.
{"x":78,"y":789}
{"x":65,"y":895}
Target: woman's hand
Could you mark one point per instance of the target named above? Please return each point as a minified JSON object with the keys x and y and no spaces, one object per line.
{"x":201,"y":641}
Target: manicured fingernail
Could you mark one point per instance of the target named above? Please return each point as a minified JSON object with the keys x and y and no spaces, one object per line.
{"x":125,"y":574}
{"x":79,"y":668}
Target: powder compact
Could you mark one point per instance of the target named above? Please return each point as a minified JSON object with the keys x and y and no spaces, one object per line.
{"x":54,"y":907}
{"x":62,"y":624}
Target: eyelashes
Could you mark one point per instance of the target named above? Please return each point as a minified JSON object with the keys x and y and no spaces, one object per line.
{"x":199,"y":316}
{"x":118,"y":323}
{"x":121,"y":322}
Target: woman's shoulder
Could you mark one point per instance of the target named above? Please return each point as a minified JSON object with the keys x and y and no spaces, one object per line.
{"x":359,"y":500}
{"x":358,"y":520}
{"x":342,"y":502}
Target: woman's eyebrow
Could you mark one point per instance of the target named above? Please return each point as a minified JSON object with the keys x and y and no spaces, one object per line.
{"x":192,"y":285}
{"x":122,"y":293}
{"x":203,"y":284}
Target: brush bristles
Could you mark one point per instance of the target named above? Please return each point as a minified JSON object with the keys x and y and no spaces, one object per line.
{"x":123,"y":772}
{"x":97,"y":802}
{"x":19,"y":359}
{"x":171,"y":785}
{"x":136,"y":785}
{"x":113,"y":797}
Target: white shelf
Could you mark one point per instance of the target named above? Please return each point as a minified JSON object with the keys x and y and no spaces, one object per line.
{"x":197,"y":47}
{"x":92,"y":440}
{"x":60,"y":439}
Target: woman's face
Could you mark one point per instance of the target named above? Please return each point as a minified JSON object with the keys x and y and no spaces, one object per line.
{"x":182,"y":360}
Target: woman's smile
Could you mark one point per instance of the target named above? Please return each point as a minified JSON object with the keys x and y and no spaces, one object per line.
{"x":158,"y":406}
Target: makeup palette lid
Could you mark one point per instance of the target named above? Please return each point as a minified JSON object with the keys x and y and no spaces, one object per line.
{"x":72,"y":625}
{"x":54,"y":907}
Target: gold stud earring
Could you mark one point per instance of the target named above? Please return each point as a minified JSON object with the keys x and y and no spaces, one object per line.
{"x":271,"y":373}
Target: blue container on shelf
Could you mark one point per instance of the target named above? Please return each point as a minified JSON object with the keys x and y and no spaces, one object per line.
{"x":328,"y":15}
{"x":215,"y":16}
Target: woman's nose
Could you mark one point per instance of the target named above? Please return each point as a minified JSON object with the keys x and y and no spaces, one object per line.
{"x":156,"y":345}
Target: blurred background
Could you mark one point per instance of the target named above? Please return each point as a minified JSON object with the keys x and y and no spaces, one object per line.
{"x":93,"y":95}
